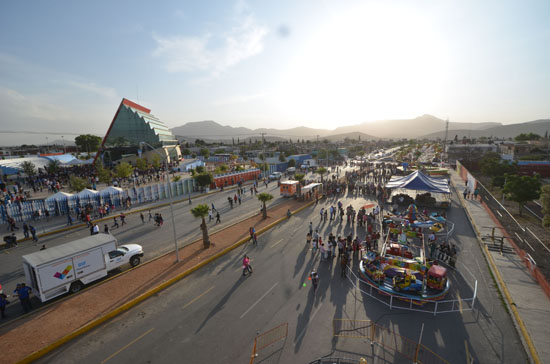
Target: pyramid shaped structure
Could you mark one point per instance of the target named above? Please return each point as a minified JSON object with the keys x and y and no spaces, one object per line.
{"x":131,"y":125}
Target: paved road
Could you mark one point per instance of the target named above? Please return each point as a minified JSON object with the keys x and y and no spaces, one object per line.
{"x":214,"y":314}
{"x":155,"y":240}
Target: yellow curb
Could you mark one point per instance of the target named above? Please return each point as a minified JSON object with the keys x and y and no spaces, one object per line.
{"x":501,"y":285}
{"x":89,"y":326}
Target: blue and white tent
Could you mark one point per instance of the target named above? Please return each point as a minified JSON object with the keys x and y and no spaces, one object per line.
{"x":418,"y":181}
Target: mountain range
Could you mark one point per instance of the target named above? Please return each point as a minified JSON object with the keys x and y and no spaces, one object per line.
{"x":425,"y":126}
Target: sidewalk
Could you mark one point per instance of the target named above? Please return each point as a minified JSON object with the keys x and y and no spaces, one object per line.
{"x":77,"y":314}
{"x":529,"y":306}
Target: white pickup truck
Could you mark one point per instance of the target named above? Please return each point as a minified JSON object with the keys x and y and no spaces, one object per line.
{"x":68,"y":267}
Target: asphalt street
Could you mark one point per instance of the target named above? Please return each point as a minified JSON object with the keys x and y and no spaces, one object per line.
{"x":214,"y":314}
{"x":155,"y":240}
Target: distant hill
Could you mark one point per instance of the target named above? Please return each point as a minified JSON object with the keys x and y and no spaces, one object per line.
{"x":503,"y":131}
{"x":410,"y":128}
{"x":427,"y":126}
{"x":212,"y":130}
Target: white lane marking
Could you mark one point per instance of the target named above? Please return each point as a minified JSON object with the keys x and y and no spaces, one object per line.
{"x":536,"y":237}
{"x":258,"y":301}
{"x":305,"y":327}
{"x":277,"y":243}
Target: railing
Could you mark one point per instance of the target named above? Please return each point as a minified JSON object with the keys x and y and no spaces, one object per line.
{"x":268,"y":339}
{"x":383,"y":336}
{"x":413,"y":304}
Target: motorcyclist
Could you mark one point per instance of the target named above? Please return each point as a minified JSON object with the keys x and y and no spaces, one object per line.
{"x":246,"y":265}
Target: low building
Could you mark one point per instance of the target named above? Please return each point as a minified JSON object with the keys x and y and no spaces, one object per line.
{"x":513,"y":151}
{"x":457,"y":152}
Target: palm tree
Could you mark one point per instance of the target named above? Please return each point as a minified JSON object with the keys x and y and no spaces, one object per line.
{"x":202,"y":211}
{"x":264,"y":197}
{"x":300,"y":178}
{"x":322,"y":171}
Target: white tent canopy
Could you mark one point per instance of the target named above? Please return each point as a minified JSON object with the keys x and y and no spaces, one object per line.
{"x":110,"y":189}
{"x":87,"y":193}
{"x":59,"y":196}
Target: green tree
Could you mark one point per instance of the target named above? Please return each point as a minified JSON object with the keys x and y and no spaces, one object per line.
{"x":124,"y":170}
{"x":322,"y":171}
{"x":239,"y":168}
{"x":292,"y":162}
{"x":176,"y":178}
{"x":492,"y":166}
{"x":201,"y":211}
{"x":185,"y":151}
{"x":223,"y":168}
{"x":264,"y":197}
{"x":264,"y":167}
{"x":141,"y":164}
{"x":28,"y":168}
{"x":103,"y":174}
{"x":194,"y":155}
{"x":282,"y":157}
{"x":204,"y":152}
{"x":204,"y":179}
{"x":200,"y":169}
{"x":262,"y":157}
{"x":53,"y":166}
{"x":522,"y":189}
{"x":545,"y":202}
{"x":525,"y":137}
{"x":88,"y":142}
{"x":77,"y":184}
{"x":155,"y":161}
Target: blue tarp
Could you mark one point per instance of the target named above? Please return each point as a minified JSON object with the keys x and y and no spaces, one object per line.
{"x":420,"y":182}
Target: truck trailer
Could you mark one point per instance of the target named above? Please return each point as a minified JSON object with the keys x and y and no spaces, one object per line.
{"x":68,"y":267}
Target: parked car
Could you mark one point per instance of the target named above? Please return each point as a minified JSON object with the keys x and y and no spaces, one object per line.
{"x":275,"y":176}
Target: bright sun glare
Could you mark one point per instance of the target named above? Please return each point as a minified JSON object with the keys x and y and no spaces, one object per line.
{"x":361,"y":66}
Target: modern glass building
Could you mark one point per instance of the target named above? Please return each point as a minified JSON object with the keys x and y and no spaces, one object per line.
{"x":131,"y":125}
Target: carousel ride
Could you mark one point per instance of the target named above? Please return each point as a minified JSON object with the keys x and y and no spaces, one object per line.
{"x":401,"y":268}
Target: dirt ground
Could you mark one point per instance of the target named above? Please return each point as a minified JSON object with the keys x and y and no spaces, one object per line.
{"x":23,"y":337}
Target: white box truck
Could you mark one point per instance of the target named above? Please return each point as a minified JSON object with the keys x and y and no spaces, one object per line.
{"x":68,"y":267}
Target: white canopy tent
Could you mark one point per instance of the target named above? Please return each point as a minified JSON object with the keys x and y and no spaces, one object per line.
{"x":59,"y":196}
{"x":87,"y":193}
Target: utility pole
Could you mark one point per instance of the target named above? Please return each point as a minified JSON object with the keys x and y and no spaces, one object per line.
{"x":445,"y":141}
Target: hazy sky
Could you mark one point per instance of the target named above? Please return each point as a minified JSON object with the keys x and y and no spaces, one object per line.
{"x":65,"y":65}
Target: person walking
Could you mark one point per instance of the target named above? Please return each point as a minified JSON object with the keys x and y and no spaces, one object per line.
{"x":142,"y":217}
{"x":3,"y":303}
{"x":95,"y":229}
{"x":115,"y":222}
{"x":314,"y":281}
{"x":23,"y":292}
{"x":122,"y":217}
{"x":209,"y":215}
{"x":343,"y":265}
{"x":33,"y":233}
{"x":218,"y":218}
{"x":69,"y":220}
{"x":25,"y":230}
{"x":150,"y":216}
{"x":106,"y":229}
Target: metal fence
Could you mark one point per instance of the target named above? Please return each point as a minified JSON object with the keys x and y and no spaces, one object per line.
{"x":383,"y":336}
{"x":36,"y":209}
{"x":413,"y":304}
{"x":268,"y":339}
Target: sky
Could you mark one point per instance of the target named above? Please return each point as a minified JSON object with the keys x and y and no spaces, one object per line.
{"x":66,"y":65}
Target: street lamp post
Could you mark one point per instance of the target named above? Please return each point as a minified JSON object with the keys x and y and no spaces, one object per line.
{"x":170,"y":198}
{"x":63,"y":138}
